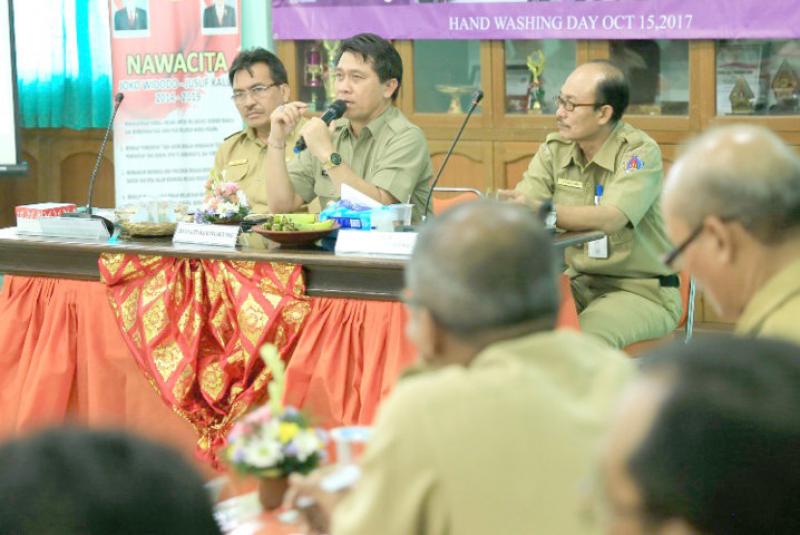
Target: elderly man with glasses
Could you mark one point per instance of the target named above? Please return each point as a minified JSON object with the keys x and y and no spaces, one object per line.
{"x":259,"y":83}
{"x":603,"y":174}
{"x":732,"y":204}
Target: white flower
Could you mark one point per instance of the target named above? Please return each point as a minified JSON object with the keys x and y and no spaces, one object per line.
{"x":307,"y":443}
{"x":263,"y":453}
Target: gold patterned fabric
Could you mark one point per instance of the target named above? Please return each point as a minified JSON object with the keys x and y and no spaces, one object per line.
{"x":195,"y":327}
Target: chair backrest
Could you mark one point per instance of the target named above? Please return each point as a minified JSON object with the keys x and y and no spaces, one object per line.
{"x":441,"y":204}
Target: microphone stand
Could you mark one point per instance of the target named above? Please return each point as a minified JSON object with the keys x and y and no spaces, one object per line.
{"x":87,"y":213}
{"x":476,"y":98}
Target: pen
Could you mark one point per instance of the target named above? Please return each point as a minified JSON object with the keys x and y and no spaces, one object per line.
{"x":598,"y":192}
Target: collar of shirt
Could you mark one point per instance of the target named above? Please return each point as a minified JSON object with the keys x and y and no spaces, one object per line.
{"x":131,"y":12}
{"x":375,"y":126}
{"x":251,"y":135}
{"x":781,"y":287}
{"x":220,"y":11}
{"x":606,"y":157}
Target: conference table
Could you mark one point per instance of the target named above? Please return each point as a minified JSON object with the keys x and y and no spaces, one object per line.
{"x":162,"y":339}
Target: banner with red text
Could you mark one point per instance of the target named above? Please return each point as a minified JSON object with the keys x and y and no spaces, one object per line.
{"x":170,"y":60}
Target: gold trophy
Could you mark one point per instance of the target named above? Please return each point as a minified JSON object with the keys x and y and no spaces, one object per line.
{"x":331,"y":47}
{"x":535,"y":90}
{"x":741,"y":97}
{"x":455,"y":92}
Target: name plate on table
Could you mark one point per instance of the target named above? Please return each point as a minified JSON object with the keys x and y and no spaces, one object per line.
{"x":82,"y":228}
{"x":374,"y":242}
{"x":206,"y":234}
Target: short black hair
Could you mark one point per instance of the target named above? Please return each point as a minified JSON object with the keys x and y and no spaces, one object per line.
{"x":72,"y":481}
{"x":484,"y":265}
{"x":385,"y":60}
{"x":613,"y":90}
{"x":247,"y":58}
{"x":722,"y":453}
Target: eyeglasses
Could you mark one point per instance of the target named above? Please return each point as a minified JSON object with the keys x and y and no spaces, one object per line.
{"x":569,"y":105}
{"x":258,"y":91}
{"x":671,"y":256}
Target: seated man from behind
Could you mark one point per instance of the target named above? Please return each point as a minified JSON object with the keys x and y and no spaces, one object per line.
{"x":498,"y":436}
{"x":706,"y":440}
{"x":72,"y":481}
{"x":259,"y":83}
{"x":603,"y":174}
{"x":373,"y":149}
{"x":732,"y":205}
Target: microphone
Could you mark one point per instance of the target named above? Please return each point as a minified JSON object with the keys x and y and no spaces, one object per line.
{"x":334,"y":111}
{"x":477,"y":96}
{"x":88,"y":211}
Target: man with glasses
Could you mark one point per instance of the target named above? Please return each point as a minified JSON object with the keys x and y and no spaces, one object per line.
{"x":603,"y":174}
{"x":732,"y":204}
{"x":499,"y":432}
{"x":259,"y":83}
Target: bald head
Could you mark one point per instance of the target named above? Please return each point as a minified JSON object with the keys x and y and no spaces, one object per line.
{"x":484,"y":265}
{"x":742,"y":172}
{"x":611,"y":85}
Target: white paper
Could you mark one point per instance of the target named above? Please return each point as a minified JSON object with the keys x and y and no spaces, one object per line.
{"x":375,"y":243}
{"x":351,"y":194}
{"x":202,"y":234}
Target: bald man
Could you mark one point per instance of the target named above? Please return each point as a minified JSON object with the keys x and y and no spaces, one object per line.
{"x":732,"y":205}
{"x":603,"y":174}
{"x":498,"y":435}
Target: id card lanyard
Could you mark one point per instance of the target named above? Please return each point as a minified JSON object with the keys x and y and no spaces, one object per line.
{"x":598,"y":248}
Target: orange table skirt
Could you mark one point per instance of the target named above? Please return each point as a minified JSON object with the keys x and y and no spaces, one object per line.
{"x":63,"y":359}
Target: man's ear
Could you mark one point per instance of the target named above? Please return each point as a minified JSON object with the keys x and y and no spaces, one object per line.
{"x":286,"y":93}
{"x":389,"y":87}
{"x":725,"y":243}
{"x":605,"y":112}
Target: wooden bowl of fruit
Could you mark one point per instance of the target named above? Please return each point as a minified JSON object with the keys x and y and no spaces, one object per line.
{"x":295,"y":229}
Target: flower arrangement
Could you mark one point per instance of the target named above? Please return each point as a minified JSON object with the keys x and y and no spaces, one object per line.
{"x":274,"y":441}
{"x":223,"y":203}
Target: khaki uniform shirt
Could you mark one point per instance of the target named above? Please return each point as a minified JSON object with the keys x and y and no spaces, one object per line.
{"x":240,"y":159}
{"x":628,"y":166}
{"x":502,"y":446}
{"x":775,"y":308}
{"x":390,"y":153}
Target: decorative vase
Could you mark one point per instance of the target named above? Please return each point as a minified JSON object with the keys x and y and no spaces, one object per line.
{"x":271,"y":491}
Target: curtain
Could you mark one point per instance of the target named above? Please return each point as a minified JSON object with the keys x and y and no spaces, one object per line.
{"x":63,"y":63}
{"x":64,"y":59}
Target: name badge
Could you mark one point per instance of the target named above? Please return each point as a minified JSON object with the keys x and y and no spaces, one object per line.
{"x":570,"y":183}
{"x":599,"y":248}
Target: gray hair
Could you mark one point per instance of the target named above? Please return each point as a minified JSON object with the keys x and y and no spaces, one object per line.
{"x":741,"y":172}
{"x":484,"y":265}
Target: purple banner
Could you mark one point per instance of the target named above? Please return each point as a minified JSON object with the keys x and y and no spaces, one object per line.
{"x":557,"y":19}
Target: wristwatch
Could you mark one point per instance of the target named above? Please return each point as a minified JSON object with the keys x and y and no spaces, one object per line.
{"x":550,"y":220}
{"x":334,"y":161}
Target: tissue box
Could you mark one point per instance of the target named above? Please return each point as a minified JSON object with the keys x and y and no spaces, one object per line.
{"x":28,"y":215}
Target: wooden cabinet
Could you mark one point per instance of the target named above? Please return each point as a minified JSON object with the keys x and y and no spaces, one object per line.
{"x":675,"y":95}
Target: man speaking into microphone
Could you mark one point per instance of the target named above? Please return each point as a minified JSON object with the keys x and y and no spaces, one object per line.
{"x":373,"y":148}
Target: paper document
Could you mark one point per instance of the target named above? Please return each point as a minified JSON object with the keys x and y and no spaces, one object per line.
{"x":351,"y":194}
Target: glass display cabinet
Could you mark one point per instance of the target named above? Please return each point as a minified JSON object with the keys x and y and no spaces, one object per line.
{"x":678,"y":89}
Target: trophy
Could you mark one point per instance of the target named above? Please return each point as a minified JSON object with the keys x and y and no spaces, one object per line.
{"x":312,"y":73}
{"x":785,"y":86}
{"x":455,"y":92}
{"x":741,"y":97}
{"x":331,"y":47}
{"x":535,"y":89}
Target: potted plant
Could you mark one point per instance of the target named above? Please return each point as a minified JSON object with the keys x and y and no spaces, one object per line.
{"x":274,"y":441}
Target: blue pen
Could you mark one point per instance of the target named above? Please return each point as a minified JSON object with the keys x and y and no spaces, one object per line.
{"x":598,"y":192}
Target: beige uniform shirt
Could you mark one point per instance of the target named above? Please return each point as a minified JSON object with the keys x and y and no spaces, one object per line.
{"x":390,"y":153}
{"x":628,"y":166}
{"x":503,"y":446}
{"x":240,"y":159}
{"x":775,"y":308}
